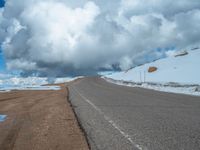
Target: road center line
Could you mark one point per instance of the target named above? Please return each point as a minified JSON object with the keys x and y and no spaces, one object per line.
{"x":111,"y":122}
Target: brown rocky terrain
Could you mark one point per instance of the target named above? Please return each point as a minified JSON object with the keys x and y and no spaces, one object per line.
{"x":39,"y":120}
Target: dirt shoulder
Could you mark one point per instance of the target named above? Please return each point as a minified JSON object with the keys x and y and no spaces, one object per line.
{"x":39,"y":120}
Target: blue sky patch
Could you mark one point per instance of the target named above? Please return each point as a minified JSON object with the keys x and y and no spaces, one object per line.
{"x":2,"y":118}
{"x":2,"y":62}
{"x":2,"y":3}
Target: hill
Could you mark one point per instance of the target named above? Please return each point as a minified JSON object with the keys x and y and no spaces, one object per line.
{"x":179,"y":73}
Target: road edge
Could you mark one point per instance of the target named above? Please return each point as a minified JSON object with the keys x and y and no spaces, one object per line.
{"x":77,"y":119}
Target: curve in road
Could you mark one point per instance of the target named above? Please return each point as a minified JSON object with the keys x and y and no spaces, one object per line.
{"x":125,"y":118}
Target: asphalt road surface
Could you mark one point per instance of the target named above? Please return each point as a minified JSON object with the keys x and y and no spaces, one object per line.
{"x":125,"y":118}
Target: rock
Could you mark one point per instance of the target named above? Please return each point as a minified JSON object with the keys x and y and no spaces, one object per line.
{"x":152,"y":69}
{"x":197,"y":89}
{"x":181,"y":53}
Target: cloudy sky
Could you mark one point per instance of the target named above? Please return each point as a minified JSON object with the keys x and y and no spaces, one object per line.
{"x":78,"y":37}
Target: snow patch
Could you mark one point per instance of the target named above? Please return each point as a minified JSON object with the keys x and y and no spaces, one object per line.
{"x":164,"y":87}
{"x":174,"y":74}
{"x":35,"y":87}
{"x":66,"y":79}
{"x":31,"y":83}
{"x":183,"y":70}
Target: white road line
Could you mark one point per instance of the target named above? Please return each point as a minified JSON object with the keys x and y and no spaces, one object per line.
{"x":111,"y":122}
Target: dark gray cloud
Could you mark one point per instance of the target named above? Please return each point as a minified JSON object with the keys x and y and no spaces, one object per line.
{"x":73,"y":37}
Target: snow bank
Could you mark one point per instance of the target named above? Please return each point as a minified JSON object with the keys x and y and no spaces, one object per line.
{"x":67,"y":79}
{"x":183,"y":69}
{"x":167,"y":87}
{"x":178,"y":73}
{"x":31,"y":83}
{"x":27,"y":87}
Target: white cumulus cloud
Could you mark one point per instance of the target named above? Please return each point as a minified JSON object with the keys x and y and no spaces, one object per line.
{"x":63,"y":37}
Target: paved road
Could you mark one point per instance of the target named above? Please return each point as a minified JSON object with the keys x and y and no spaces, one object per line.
{"x":124,"y":118}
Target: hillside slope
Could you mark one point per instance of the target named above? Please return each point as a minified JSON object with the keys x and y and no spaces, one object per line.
{"x":181,"y":69}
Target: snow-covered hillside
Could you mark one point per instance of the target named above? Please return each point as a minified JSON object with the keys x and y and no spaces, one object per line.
{"x":182,"y":68}
{"x":8,"y":82}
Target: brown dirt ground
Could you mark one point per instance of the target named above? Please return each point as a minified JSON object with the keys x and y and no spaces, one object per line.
{"x":39,"y":120}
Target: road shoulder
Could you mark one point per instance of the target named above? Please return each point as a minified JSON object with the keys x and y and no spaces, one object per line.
{"x":39,"y":120}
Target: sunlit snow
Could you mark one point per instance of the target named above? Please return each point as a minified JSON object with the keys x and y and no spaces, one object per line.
{"x":175,"y":74}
